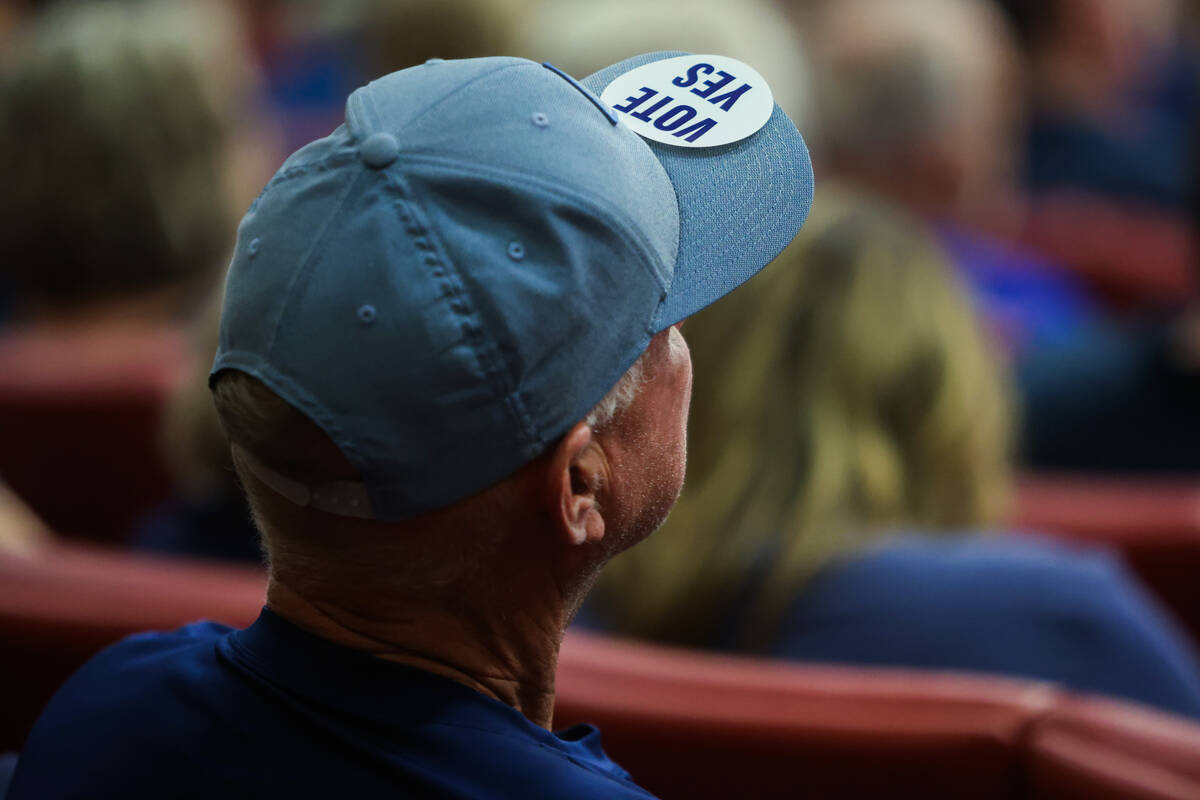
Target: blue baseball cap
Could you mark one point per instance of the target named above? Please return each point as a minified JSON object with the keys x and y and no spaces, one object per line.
{"x":455,"y":276}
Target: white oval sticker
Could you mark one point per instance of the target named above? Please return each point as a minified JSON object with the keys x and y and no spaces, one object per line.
{"x":692,"y":101}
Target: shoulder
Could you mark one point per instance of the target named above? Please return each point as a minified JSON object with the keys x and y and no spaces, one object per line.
{"x":137,"y":664}
{"x":145,"y":656}
{"x":118,"y":710}
{"x":1033,"y":572}
{"x":1014,"y":605}
{"x":1022,"y":577}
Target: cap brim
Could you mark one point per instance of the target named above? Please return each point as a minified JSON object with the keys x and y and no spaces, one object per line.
{"x":740,"y":204}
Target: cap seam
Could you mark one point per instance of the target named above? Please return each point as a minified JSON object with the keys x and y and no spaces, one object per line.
{"x":593,"y":203}
{"x":367,"y":101}
{"x":416,"y":225}
{"x":303,"y":264}
{"x":325,"y":164}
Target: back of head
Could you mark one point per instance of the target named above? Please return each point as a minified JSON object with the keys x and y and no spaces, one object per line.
{"x":918,"y":100}
{"x":426,"y":305}
{"x":324,"y":554}
{"x":112,"y":138}
{"x":846,"y":394}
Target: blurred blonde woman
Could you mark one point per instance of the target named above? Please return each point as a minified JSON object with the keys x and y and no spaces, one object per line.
{"x":851,"y":446}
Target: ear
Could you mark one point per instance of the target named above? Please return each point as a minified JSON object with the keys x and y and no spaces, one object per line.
{"x":576,"y":477}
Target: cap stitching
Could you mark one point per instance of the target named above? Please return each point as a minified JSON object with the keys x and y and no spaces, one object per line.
{"x":367,"y":101}
{"x":303,"y":264}
{"x":487,"y":351}
{"x":593,"y":203}
{"x":323,"y":165}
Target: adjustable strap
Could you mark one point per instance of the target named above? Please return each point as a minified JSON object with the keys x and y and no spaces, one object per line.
{"x":344,"y":498}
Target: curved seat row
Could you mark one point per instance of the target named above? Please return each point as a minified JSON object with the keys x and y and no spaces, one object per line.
{"x":686,"y":724}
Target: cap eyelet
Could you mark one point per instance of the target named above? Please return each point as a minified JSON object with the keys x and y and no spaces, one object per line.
{"x":252,"y":248}
{"x":540,"y":119}
{"x":516,"y":251}
{"x":366,"y":314}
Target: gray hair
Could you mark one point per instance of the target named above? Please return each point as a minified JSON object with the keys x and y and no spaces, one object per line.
{"x":619,"y":397}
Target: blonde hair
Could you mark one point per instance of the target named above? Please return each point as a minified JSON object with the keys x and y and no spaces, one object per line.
{"x":845,"y":393}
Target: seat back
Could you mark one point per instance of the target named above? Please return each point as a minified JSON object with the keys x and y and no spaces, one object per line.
{"x":685,"y":724}
{"x":1097,"y":749}
{"x":699,"y":725}
{"x":80,"y":421}
{"x":1153,"y":522}
{"x":1133,"y":258}
{"x":61,"y":605}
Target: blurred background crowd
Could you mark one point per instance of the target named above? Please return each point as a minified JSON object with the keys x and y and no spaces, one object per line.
{"x":997,"y":283}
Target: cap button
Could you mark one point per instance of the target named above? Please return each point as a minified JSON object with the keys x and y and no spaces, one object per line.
{"x":379,"y":149}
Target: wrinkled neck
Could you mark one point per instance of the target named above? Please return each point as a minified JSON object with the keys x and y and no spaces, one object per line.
{"x":503,"y":644}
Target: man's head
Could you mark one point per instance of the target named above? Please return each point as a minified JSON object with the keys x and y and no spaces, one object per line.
{"x":428,"y":310}
{"x":602,"y":488}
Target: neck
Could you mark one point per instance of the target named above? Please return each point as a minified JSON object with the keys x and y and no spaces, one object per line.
{"x":509,"y":652}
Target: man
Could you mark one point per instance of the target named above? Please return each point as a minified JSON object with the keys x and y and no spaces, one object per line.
{"x":451,"y":373}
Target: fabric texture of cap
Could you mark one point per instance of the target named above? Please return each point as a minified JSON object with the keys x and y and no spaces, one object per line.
{"x":460,"y":272}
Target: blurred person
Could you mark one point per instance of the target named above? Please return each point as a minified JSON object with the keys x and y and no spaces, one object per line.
{"x":920,"y":105}
{"x":121,"y":128}
{"x":1115,"y":101}
{"x":132,"y":132}
{"x":1115,"y":94}
{"x":401,"y":33}
{"x":849,"y":464}
{"x":314,"y":53}
{"x":1120,"y":400}
{"x":451,"y":373}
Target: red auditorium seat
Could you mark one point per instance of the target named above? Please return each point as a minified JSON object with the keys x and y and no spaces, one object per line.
{"x":68,"y":600}
{"x":1133,"y":257}
{"x":1153,"y":523}
{"x":1093,"y":749}
{"x":686,"y":724}
{"x":79,"y":422}
{"x":694,"y":725}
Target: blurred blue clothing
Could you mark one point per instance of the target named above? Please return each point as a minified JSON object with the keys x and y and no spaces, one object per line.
{"x":1151,"y":165}
{"x":1014,"y":606}
{"x":8,"y":764}
{"x":273,"y":711}
{"x":308,"y":81}
{"x":1110,"y":400}
{"x":1143,"y":153}
{"x":1028,"y":302}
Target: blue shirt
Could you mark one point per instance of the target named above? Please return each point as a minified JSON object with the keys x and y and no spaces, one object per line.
{"x":1028,"y":303}
{"x":273,"y":711}
{"x":1019,"y":607}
